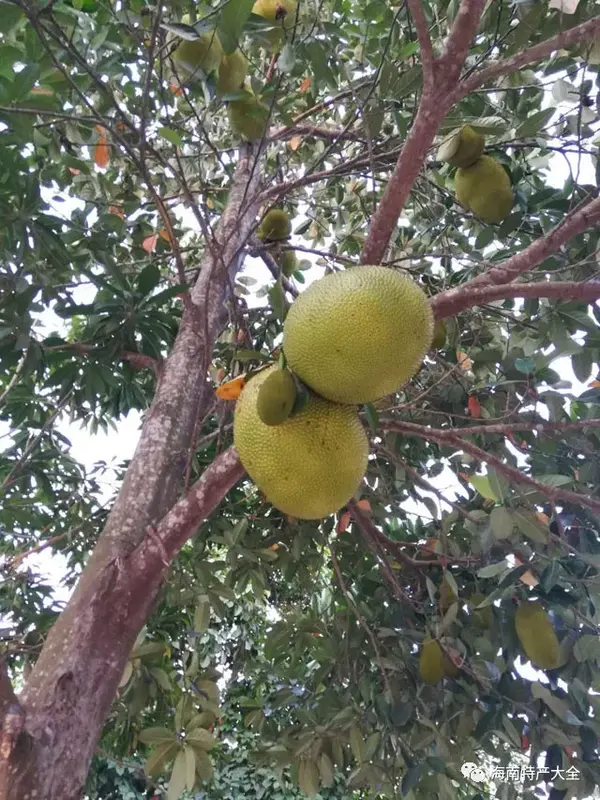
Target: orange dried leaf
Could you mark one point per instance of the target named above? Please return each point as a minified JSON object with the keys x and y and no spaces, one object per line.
{"x":305,"y":85}
{"x":529,"y":579}
{"x":273,"y":546}
{"x":39,"y":90}
{"x":164,"y":234}
{"x":102,"y":152}
{"x":464,"y":362}
{"x":149,"y":243}
{"x":595,"y":384}
{"x":116,"y":210}
{"x":474,"y":406}
{"x":343,"y":522}
{"x":74,"y":171}
{"x":295,"y":142}
{"x":543,"y":518}
{"x":232,"y":389}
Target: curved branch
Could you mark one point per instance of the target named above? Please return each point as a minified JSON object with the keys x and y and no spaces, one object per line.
{"x":586,"y":216}
{"x":427,"y":58}
{"x":446,"y":304}
{"x":512,"y":473}
{"x":586,"y":32}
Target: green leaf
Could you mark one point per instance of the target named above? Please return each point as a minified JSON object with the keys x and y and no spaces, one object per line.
{"x":484,"y":486}
{"x":535,"y":122}
{"x":356,"y":744}
{"x":148,"y":278}
{"x":156,"y":735}
{"x":411,"y":778}
{"x":308,"y":777}
{"x":178,"y":781}
{"x":530,"y":526}
{"x":326,"y":770}
{"x":161,"y":678}
{"x":234,"y":16}
{"x":202,"y":614}
{"x":201,"y":738}
{"x":278,"y":302}
{"x":587,"y":648}
{"x":171,"y":136}
{"x":190,"y":768}
{"x":492,"y":570}
{"x":159,"y":757}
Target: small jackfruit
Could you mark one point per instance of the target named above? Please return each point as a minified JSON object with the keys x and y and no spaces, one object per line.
{"x":355,"y":336}
{"x":537,"y":635}
{"x":447,"y":596}
{"x":282,"y":14}
{"x":440,"y":332}
{"x":232,"y":72}
{"x":288,"y":262}
{"x":462,"y":148}
{"x":195,"y":56}
{"x":275,"y":226}
{"x":431,"y":662}
{"x":276,"y":397}
{"x":248,"y":117}
{"x":482,"y":617}
{"x":484,"y":188}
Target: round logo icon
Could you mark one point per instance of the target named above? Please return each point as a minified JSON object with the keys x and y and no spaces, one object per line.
{"x":467,"y":768}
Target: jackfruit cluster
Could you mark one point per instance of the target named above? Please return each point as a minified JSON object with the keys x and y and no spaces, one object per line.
{"x":482,"y":184}
{"x":350,"y":338}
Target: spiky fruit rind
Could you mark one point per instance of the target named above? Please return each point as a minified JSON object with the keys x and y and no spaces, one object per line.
{"x":248,"y":117}
{"x":275,"y":226}
{"x":356,"y":336}
{"x":288,"y":262}
{"x":232,"y":72}
{"x":282,"y":14}
{"x":276,"y":397}
{"x":431,"y":662}
{"x":309,"y":466}
{"x":537,"y":636}
{"x":463,"y":148}
{"x":484,"y":188}
{"x":195,"y":56}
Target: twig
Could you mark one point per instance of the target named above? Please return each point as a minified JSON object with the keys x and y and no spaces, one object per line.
{"x":360,"y":619}
{"x":427,"y":57}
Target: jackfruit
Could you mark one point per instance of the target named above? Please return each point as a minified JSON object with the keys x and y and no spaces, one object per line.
{"x":440,"y":332}
{"x":283,"y":14}
{"x":449,"y":667}
{"x":195,"y":56}
{"x":232,"y":72}
{"x":482,"y":617}
{"x":537,"y":635}
{"x":484,"y":188}
{"x":275,"y":226}
{"x":431,"y":662}
{"x":288,"y":262}
{"x":276,"y":397}
{"x":462,"y":148}
{"x":248,"y":117}
{"x":447,"y":596}
{"x":355,"y":336}
{"x":309,"y":466}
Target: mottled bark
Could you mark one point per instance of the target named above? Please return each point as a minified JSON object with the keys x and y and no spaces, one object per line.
{"x":72,"y":685}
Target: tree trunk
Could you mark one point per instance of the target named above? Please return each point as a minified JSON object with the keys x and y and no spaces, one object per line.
{"x":48,"y":736}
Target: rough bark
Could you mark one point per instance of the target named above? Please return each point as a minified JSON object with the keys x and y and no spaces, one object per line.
{"x":72,"y":685}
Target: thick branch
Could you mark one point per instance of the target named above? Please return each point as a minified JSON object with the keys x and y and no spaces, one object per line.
{"x":446,"y":305}
{"x":515,"y":475}
{"x":586,"y":32}
{"x":183,"y":519}
{"x":574,"y":223}
{"x":435,"y":104}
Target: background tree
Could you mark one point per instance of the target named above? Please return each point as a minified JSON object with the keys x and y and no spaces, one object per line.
{"x":128,"y":211}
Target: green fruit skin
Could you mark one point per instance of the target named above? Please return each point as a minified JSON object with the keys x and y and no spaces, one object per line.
{"x":431,"y":662}
{"x":470,"y":148}
{"x":355,"y":336}
{"x":288,"y":263}
{"x":275,"y":227}
{"x":276,"y":397}
{"x":309,"y":466}
{"x":537,"y":636}
{"x":232,"y":72}
{"x":484,"y":188}
{"x":248,"y":117}
{"x":439,"y":335}
{"x":202,"y":54}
